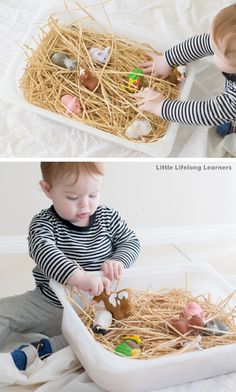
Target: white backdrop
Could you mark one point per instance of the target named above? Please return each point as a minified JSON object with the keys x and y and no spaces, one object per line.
{"x":147,"y":194}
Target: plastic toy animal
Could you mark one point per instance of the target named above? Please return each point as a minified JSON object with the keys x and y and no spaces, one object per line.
{"x":102,"y":321}
{"x":87,"y":79}
{"x":100,"y":55}
{"x":135,"y":80}
{"x":62,"y":60}
{"x":118,"y":303}
{"x":129,"y":347}
{"x":71,"y":103}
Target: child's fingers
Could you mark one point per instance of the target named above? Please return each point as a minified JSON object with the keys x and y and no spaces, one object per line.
{"x":146,"y":64}
{"x":141,"y":107}
{"x":104,"y":269}
{"x":106,"y":286}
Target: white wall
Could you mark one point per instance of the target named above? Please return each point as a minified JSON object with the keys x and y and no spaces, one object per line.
{"x":145,"y":196}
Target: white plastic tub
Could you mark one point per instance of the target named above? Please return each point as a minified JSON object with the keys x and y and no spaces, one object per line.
{"x":9,"y":88}
{"x":119,"y":374}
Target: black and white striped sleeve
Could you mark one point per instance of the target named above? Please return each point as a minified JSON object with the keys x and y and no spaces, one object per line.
{"x":214,"y":111}
{"x":189,"y":50}
{"x":126,"y":245}
{"x":42,"y":248}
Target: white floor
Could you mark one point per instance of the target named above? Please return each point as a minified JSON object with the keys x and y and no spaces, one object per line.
{"x":16,"y":276}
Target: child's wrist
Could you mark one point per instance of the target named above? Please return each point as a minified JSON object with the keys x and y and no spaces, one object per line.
{"x":76,"y":278}
{"x":158,"y":109}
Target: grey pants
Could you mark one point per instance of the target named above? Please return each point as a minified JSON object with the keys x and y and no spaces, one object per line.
{"x":31,"y":313}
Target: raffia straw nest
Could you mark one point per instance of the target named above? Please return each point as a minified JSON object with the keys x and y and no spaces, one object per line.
{"x":151,"y":319}
{"x":107,"y":108}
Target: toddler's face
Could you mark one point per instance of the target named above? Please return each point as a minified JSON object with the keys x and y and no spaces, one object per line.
{"x":76,"y":201}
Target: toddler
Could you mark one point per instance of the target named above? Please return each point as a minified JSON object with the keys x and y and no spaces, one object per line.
{"x":221,"y":43}
{"x":76,"y":234}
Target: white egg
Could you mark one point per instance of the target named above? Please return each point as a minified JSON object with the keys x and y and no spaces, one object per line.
{"x":140,"y":127}
{"x":131,"y":133}
{"x":103,"y":318}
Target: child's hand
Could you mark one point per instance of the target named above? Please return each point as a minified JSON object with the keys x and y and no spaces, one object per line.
{"x":93,"y":284}
{"x":158,"y":67}
{"x":151,"y":101}
{"x":112,"y":269}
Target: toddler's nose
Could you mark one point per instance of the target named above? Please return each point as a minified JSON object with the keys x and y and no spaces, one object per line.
{"x":83,"y":203}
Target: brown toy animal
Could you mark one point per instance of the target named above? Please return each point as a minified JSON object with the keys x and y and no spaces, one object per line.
{"x":173,"y":77}
{"x":87,"y":79}
{"x":118,"y":303}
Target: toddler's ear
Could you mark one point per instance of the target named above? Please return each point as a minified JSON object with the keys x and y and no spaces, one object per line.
{"x":45,"y":187}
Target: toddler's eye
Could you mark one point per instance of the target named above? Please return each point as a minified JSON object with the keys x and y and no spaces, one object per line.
{"x":93,"y":196}
{"x":72,"y":198}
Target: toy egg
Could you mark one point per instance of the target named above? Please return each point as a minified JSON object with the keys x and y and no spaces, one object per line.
{"x":135,"y":80}
{"x":98,"y":55}
{"x":62,"y":60}
{"x":181,"y":325}
{"x":139,"y":127}
{"x":71,"y":103}
{"x":215,"y":327}
{"x":193,"y":309}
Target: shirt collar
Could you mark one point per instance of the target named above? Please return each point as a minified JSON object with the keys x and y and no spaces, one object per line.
{"x":230,"y":76}
{"x":70,"y":225}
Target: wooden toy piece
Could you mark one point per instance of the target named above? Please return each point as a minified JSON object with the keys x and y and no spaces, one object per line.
{"x":118,"y":303}
{"x":72,"y":103}
{"x":173,"y":76}
{"x":129,"y":347}
{"x":135,"y":80}
{"x":99,"y":55}
{"x":87,"y":79}
{"x":62,"y":60}
{"x":139,"y":127}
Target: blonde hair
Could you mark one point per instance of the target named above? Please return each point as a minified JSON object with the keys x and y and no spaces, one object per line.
{"x":54,"y":171}
{"x":224,"y":32}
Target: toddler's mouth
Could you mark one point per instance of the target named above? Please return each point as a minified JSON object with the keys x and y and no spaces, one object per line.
{"x":84,"y":215}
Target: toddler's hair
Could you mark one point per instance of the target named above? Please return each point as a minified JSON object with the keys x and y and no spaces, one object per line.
{"x":54,"y":171}
{"x":224,"y":32}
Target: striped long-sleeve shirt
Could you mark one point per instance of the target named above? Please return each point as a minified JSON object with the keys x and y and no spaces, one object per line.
{"x":58,"y":247}
{"x":217,"y":110}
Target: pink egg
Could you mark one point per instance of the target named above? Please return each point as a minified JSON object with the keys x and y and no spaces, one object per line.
{"x":71,"y":103}
{"x":193,"y":309}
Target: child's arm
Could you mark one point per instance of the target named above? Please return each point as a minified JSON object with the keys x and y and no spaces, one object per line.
{"x":125,"y":246}
{"x":54,"y":264}
{"x":181,"y":54}
{"x":189,"y":50}
{"x":214,"y":111}
{"x":43,"y":250}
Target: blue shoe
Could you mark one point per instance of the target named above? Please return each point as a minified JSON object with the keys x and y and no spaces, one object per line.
{"x":26,"y":354}
{"x":224,"y":129}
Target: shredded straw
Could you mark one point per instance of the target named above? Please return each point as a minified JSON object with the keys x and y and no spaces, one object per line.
{"x":151,"y":319}
{"x":108,"y":107}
